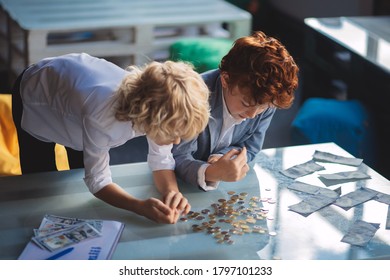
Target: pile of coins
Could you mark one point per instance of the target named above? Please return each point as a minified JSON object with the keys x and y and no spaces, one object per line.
{"x":230,"y":217}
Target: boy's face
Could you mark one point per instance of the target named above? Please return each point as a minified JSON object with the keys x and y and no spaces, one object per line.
{"x":239,"y":101}
{"x":240,"y":105}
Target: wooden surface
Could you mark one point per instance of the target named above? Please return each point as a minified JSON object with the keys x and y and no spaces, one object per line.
{"x":129,"y":31}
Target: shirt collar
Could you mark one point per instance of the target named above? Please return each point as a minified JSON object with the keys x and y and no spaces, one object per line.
{"x":227,"y":117}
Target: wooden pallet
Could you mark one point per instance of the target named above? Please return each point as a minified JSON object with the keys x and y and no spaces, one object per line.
{"x":124,"y":31}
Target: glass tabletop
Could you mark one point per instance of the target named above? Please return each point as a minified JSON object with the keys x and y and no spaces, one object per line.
{"x":245,"y":220}
{"x":266,"y":228}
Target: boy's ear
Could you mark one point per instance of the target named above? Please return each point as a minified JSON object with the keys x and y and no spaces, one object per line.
{"x":224,"y":79}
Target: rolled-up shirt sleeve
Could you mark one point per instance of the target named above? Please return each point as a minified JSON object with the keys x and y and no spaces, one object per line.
{"x":97,"y":169}
{"x":96,"y":157}
{"x":205,"y":185}
{"x":160,"y":157}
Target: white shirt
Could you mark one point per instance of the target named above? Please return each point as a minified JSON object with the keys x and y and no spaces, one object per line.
{"x":70,"y":100}
{"x":224,"y":140}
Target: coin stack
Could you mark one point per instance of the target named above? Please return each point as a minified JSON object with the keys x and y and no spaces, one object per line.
{"x":230,"y":217}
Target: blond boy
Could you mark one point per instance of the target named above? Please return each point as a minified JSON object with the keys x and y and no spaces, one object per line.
{"x":90,"y":105}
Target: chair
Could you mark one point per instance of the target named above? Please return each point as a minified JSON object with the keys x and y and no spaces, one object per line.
{"x":9,"y":149}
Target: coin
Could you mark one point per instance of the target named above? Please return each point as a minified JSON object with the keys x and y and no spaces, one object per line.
{"x":197,"y":229}
{"x":234,"y":216}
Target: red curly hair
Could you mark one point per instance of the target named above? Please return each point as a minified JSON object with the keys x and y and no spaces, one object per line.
{"x":263,"y":65}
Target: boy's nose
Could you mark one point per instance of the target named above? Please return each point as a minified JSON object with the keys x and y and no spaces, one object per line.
{"x":250,"y":114}
{"x":253,"y":112}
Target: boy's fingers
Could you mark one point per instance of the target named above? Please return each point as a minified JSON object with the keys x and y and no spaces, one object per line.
{"x":159,"y":205}
{"x":241,"y":157}
{"x":232,"y":153}
{"x":187,"y":209}
{"x":173,"y":199}
{"x":182,"y":204}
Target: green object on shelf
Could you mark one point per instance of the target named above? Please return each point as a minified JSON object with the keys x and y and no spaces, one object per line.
{"x":204,"y":53}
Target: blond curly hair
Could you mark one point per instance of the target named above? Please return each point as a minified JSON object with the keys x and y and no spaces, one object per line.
{"x":164,"y":100}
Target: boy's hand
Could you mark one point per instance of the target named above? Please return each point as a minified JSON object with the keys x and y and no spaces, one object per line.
{"x":155,"y":210}
{"x":177,"y":203}
{"x":230,"y":167}
{"x":213,"y":158}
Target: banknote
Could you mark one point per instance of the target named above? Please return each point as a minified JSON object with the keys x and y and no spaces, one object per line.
{"x":343,"y":177}
{"x":356,"y":197}
{"x":56,"y":232}
{"x":329,"y":157}
{"x":61,"y":220}
{"x":311,"y":204}
{"x":67,"y":237}
{"x":383,"y":198}
{"x":303,"y":169}
{"x":52,"y":223}
{"x":311,"y":189}
{"x":360,"y":233}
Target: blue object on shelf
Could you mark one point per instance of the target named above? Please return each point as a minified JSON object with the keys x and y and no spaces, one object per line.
{"x":344,"y":122}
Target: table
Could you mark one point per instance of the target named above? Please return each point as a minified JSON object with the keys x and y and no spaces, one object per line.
{"x":351,"y":56}
{"x":132,"y":31}
{"x":367,"y":37}
{"x":25,"y":199}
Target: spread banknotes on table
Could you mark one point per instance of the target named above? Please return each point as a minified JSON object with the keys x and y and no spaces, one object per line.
{"x":311,"y":189}
{"x":311,"y":204}
{"x":303,"y":169}
{"x":360,"y":233}
{"x":343,"y":177}
{"x":328,"y":157}
{"x":356,"y":197}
